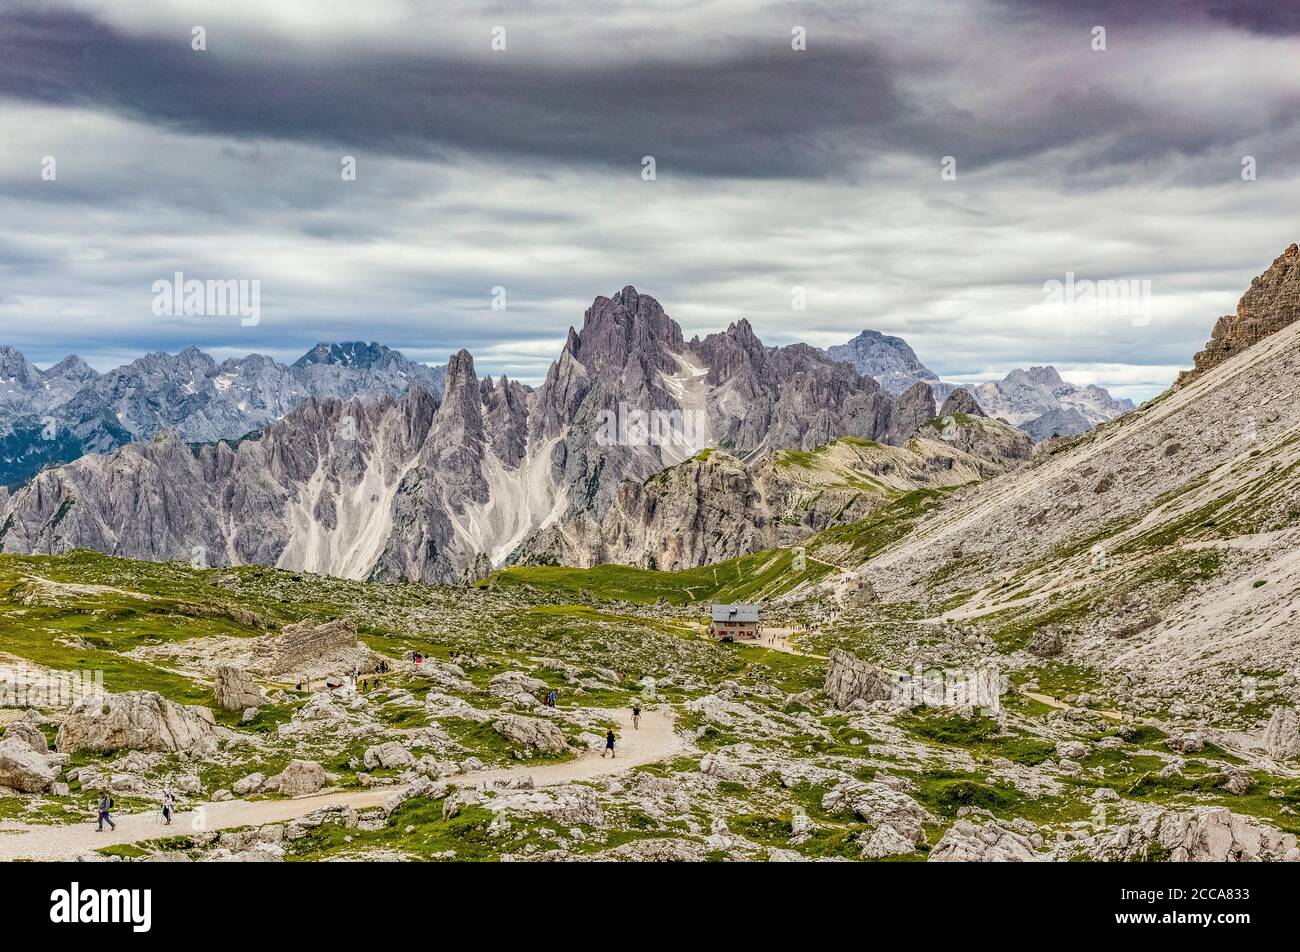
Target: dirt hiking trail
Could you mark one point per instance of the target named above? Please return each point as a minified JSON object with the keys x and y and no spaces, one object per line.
{"x":653,"y":742}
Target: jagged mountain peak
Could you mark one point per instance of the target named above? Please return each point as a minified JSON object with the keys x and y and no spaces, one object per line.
{"x":460,"y":370}
{"x":629,"y":324}
{"x":71,"y":367}
{"x":961,"y":401}
{"x":1046,"y":376}
{"x":15,"y":367}
{"x":887,"y":359}
{"x":348,"y":354}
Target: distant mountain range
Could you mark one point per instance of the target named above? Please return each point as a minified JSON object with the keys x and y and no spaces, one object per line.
{"x":363,"y":468}
{"x":57,"y":415}
{"x":1037,"y":400}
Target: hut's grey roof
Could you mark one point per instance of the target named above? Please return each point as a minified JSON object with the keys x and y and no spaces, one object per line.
{"x":737,"y":612}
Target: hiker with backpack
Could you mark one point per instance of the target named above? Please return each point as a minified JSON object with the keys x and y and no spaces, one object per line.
{"x":168,"y":806}
{"x":609,"y":745}
{"x":636,"y":716}
{"x":105,"y":804}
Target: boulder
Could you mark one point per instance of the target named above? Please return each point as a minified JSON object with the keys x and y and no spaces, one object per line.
{"x":850,"y":679}
{"x":23,"y":769}
{"x":531,"y":735}
{"x":299,"y":778}
{"x":29,"y":734}
{"x":1186,"y":743}
{"x":136,"y":720}
{"x":1071,"y":750}
{"x":250,"y":784}
{"x":1237,"y":781}
{"x":1282,"y":736}
{"x":1047,"y":643}
{"x":391,"y":754}
{"x":314,"y":649}
{"x":509,"y":683}
{"x":964,"y":842}
{"x":886,"y":841}
{"x":235,"y":689}
{"x":880,"y":805}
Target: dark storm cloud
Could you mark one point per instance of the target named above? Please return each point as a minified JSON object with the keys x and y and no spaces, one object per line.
{"x":1266,"y":17}
{"x":754,"y":110}
{"x":760,"y":112}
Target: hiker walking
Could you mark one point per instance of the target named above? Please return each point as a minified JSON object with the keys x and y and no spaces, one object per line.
{"x":105,"y":804}
{"x":168,"y":805}
{"x":609,"y":745}
{"x":636,"y":716}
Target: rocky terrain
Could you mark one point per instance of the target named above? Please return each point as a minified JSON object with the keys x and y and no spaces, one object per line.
{"x":56,"y":415}
{"x":714,"y":506}
{"x":743,"y":751}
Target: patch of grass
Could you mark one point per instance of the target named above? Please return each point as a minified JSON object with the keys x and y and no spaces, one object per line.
{"x":977,"y":734}
{"x":465,"y":834}
{"x":946,"y":791}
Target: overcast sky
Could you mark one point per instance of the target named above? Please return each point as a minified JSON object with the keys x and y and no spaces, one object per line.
{"x":522,"y":168}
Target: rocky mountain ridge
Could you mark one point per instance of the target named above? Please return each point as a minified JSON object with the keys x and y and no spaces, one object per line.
{"x":56,"y":415}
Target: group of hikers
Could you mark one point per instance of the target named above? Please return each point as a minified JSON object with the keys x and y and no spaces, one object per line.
{"x":104,"y":808}
{"x":609,"y":734}
{"x":363,"y":683}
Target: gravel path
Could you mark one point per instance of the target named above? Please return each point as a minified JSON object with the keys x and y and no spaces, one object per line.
{"x":653,"y":742}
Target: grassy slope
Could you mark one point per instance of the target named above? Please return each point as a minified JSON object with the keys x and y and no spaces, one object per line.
{"x":765,"y":574}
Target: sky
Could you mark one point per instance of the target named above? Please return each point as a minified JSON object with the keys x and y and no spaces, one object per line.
{"x":926,"y":170}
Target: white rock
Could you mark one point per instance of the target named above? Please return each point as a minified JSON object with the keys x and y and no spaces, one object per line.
{"x":23,"y":769}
